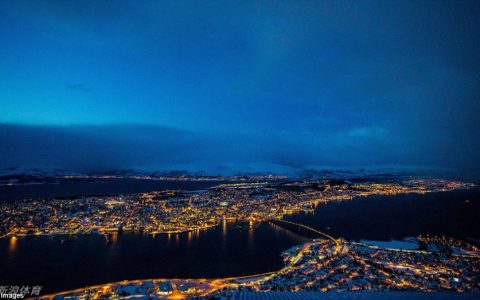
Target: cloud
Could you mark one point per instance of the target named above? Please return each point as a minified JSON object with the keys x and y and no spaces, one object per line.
{"x":93,"y":148}
{"x":110,"y":147}
{"x":291,"y":84}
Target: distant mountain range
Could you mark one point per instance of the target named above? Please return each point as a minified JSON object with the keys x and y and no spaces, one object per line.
{"x":203,"y":170}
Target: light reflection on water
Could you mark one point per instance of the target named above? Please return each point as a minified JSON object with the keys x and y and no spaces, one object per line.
{"x":12,"y":245}
{"x":67,"y":262}
{"x":230,"y":249}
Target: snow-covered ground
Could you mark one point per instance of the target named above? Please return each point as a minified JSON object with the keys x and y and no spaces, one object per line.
{"x":406,"y":244}
{"x":366,"y":295}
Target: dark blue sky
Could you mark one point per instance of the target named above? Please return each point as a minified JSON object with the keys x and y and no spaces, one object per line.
{"x":167,"y":84}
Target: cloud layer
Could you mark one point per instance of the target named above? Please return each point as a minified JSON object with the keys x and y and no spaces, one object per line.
{"x":111,"y":147}
{"x":290,"y":84}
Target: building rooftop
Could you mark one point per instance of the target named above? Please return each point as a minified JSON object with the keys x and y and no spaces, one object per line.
{"x":363,"y":295}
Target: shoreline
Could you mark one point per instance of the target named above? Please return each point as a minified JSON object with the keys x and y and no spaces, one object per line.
{"x":293,"y":261}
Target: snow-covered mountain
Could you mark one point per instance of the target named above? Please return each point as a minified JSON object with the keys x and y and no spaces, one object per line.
{"x":198,"y":169}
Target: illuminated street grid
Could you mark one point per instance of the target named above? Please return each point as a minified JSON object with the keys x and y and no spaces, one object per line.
{"x":441,"y":263}
{"x":322,"y":265}
{"x":181,"y":211}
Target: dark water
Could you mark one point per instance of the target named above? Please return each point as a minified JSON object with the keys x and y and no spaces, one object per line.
{"x":455,"y":214}
{"x":227,"y":250}
{"x":67,"y":188}
{"x":230,"y":250}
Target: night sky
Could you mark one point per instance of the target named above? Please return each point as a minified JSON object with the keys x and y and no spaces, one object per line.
{"x":239,"y":85}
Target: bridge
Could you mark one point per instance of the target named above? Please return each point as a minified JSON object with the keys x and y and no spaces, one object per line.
{"x":323,"y":234}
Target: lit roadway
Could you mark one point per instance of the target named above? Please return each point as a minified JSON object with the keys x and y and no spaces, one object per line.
{"x":338,"y":245}
{"x":210,"y":285}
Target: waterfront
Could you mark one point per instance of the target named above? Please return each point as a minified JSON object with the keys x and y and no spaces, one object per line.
{"x":96,"y":187}
{"x":231,"y":250}
{"x":394,"y":217}
{"x":63,"y":262}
